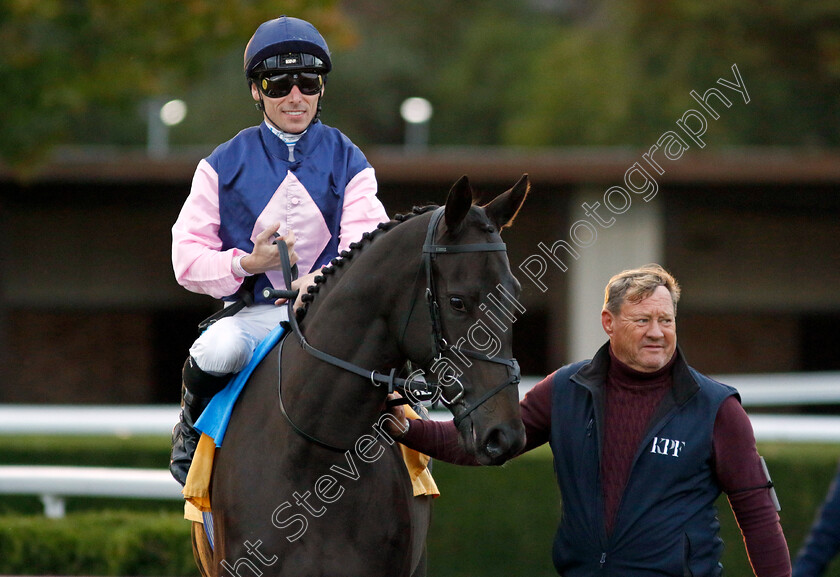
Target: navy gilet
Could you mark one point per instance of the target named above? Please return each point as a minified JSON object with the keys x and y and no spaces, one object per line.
{"x":666,"y":523}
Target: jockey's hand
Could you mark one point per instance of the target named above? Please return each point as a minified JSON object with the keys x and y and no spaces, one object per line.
{"x":265,"y":255}
{"x":301,"y":284}
{"x":394,"y":430}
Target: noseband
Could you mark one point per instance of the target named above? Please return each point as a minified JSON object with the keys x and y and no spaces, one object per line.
{"x":440,"y":346}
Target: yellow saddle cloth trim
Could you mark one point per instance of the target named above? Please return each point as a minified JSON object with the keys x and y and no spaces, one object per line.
{"x":196,"y":491}
{"x":418,"y":466}
{"x":197,"y":488}
{"x":191,"y":513}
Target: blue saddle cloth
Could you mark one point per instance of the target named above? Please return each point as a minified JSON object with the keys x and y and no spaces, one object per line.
{"x":214,"y":420}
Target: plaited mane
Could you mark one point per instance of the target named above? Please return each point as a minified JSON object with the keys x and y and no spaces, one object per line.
{"x":345,"y":258}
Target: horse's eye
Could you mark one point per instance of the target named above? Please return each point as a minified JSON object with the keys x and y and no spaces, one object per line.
{"x":457,"y":303}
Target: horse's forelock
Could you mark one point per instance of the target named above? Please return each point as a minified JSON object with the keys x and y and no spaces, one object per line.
{"x":478,"y":219}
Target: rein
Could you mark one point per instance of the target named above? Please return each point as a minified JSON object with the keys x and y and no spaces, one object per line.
{"x":440,"y":346}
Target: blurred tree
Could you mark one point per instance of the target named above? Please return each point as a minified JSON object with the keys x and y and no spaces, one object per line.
{"x":498,"y":72}
{"x":624,"y":75}
{"x":598,"y":72}
{"x":404,"y":49}
{"x":68,"y":68}
{"x":459,"y":55}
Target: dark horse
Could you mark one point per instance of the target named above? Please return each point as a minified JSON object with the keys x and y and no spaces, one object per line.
{"x":308,"y":482}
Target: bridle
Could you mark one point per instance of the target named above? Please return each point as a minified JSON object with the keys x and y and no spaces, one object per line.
{"x":440,"y":346}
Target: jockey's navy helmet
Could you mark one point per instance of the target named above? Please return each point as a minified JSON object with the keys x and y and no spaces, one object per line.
{"x":286,"y":44}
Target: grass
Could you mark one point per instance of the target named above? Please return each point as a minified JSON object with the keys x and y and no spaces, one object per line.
{"x":488,"y":521}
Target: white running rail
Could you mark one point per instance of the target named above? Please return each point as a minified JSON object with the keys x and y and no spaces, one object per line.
{"x":55,"y":483}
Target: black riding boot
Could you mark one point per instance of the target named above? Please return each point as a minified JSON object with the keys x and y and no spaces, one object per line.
{"x":197,"y":390}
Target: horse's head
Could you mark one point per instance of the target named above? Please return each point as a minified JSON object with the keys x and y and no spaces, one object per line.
{"x":473,"y":303}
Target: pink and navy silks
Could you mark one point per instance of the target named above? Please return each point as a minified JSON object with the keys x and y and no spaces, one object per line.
{"x":326,"y":195}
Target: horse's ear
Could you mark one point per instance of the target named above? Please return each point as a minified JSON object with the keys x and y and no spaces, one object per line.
{"x":458,"y":204}
{"x":503,"y":209}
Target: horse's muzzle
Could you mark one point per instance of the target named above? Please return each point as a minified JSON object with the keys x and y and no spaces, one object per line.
{"x":500,"y":443}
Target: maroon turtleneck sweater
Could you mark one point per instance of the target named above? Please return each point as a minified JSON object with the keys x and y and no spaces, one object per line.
{"x":630,"y":401}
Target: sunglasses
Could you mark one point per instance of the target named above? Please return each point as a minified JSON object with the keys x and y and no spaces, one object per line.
{"x":279,"y":85}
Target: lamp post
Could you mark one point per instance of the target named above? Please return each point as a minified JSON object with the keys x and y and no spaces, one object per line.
{"x":416,"y":113}
{"x":160,"y":116}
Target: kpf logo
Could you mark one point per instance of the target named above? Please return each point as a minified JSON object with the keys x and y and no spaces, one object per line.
{"x":670,"y":447}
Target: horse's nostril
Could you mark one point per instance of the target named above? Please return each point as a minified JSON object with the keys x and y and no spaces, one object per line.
{"x":503,"y":442}
{"x":496,"y":444}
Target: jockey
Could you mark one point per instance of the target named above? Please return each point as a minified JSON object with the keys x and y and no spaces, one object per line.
{"x":291,"y":177}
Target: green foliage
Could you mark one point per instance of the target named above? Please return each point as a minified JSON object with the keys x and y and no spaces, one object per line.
{"x":150,"y":451}
{"x":495,"y":521}
{"x":63,"y":60}
{"x":101,"y":543}
{"x":612,"y":73}
{"x":584,"y":94}
{"x":624,"y":75}
{"x":465,"y":57}
{"x":492,"y":522}
{"x":498,"y":72}
{"x":498,"y":522}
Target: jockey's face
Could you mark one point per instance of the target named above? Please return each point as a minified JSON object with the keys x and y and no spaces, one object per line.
{"x":291,"y":113}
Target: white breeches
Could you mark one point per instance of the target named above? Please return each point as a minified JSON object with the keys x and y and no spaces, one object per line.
{"x":228,"y":344}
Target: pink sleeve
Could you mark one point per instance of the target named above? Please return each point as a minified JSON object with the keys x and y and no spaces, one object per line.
{"x":200,"y":265}
{"x":362,"y":209}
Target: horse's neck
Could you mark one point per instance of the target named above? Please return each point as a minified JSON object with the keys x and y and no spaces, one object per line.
{"x":346,"y":320}
{"x":349,"y":318}
{"x":351,"y":313}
